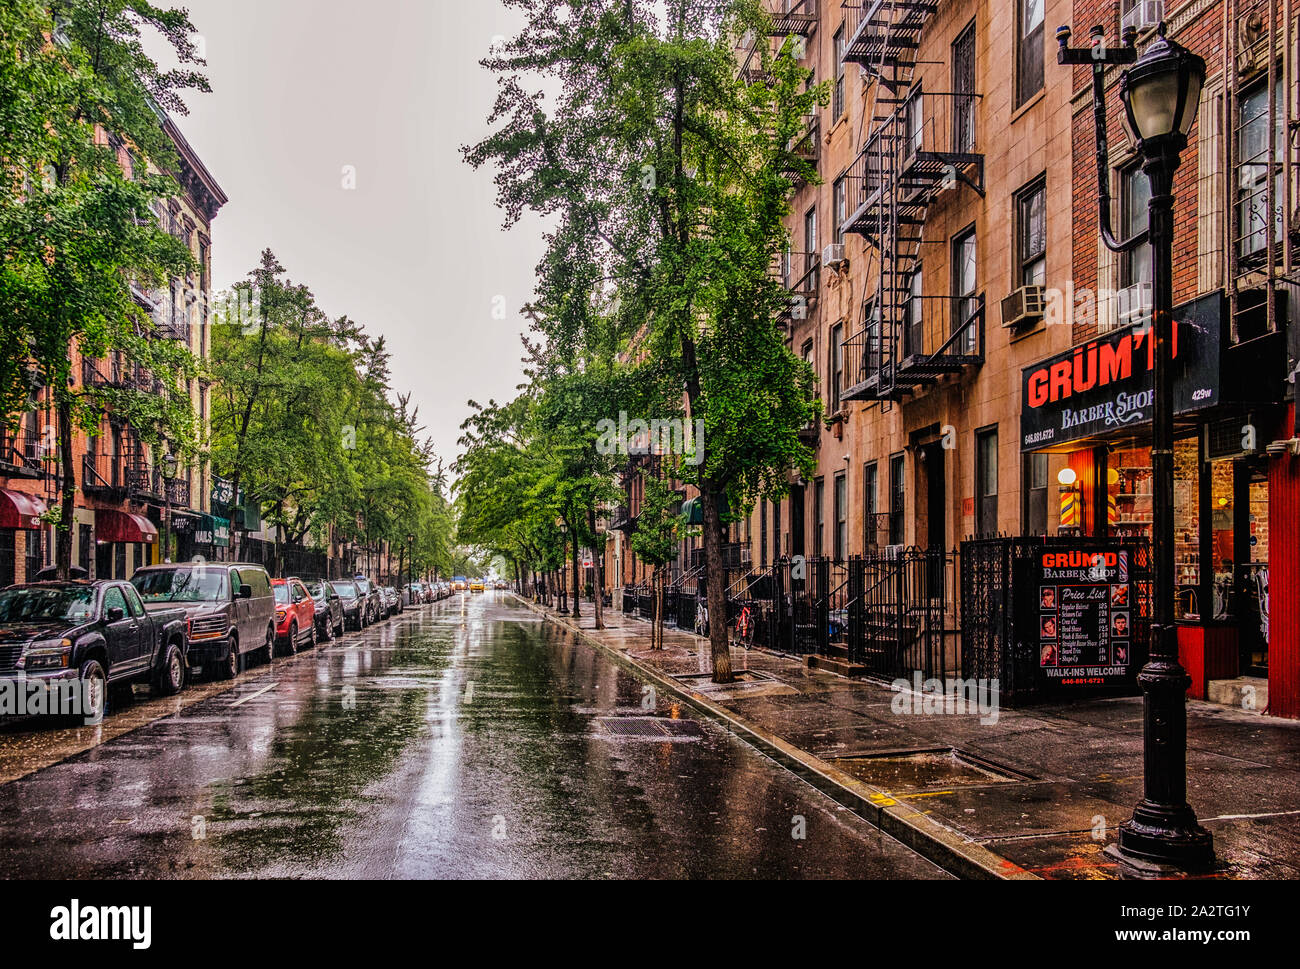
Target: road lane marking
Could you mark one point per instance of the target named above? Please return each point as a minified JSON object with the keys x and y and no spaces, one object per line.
{"x":253,"y":696}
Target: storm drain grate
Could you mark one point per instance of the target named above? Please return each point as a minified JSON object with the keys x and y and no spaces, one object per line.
{"x":651,"y":728}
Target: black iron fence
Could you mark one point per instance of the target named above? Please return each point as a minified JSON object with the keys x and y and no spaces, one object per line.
{"x":286,"y":560}
{"x":892,"y":612}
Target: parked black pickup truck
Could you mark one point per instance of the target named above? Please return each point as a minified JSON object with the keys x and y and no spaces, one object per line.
{"x":97,"y":631}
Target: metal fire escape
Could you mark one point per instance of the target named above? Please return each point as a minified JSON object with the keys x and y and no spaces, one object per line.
{"x":920,"y":145}
{"x":1263,"y":143}
{"x":789,"y":18}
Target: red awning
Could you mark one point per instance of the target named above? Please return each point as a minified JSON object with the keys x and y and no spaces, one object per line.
{"x":119,"y":526}
{"x":20,"y":510}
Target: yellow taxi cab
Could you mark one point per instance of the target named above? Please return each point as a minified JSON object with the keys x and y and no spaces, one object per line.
{"x":477,"y":585}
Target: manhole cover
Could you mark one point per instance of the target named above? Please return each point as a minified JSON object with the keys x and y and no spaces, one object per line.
{"x":651,"y":728}
{"x":930,"y":768}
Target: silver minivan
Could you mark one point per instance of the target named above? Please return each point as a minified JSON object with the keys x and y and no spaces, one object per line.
{"x":229,"y":610}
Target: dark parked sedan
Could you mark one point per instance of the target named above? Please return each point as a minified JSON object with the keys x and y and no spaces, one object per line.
{"x":352,"y":604}
{"x":329,"y":609}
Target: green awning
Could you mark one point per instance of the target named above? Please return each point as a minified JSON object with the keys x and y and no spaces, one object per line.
{"x":213,"y":531}
{"x":693,"y":510}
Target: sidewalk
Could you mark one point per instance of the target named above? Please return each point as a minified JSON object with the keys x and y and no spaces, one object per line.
{"x":1040,"y":792}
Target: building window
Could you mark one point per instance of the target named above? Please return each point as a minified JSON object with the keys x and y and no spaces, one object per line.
{"x":986,"y":481}
{"x":35,"y":558}
{"x":837,"y":103}
{"x":1035,"y":489}
{"x":963,"y":87}
{"x":841,"y":207}
{"x":1252,"y":171}
{"x":776,"y":532}
{"x":841,"y":516}
{"x":914,"y":122}
{"x":819,"y":516}
{"x":762,"y":537}
{"x":810,"y":230}
{"x":870,"y":505}
{"x":1029,"y":73}
{"x":84,"y":544}
{"x":1135,"y":292}
{"x":913,"y":332}
{"x":835,"y":369}
{"x":897,"y":499}
{"x":964,"y":284}
{"x":1031,"y":233}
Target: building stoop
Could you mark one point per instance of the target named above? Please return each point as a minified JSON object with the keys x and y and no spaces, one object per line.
{"x":836,"y":660}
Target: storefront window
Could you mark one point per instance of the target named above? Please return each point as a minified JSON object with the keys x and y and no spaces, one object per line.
{"x":1130,"y":511}
{"x":1130,"y":493}
{"x":1187,"y":532}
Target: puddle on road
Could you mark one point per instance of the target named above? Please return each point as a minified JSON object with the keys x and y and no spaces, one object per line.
{"x":922,"y":770}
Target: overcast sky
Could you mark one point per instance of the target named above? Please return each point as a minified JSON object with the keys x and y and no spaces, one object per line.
{"x":302,"y":88}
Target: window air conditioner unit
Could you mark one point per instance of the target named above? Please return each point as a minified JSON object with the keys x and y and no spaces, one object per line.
{"x":1143,"y":14}
{"x":893,"y":553}
{"x":834,"y":256}
{"x":1027,"y":304}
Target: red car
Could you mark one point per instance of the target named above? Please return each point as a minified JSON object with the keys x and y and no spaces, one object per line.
{"x":295,"y":615}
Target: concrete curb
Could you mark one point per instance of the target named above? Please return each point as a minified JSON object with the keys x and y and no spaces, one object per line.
{"x":947,"y":848}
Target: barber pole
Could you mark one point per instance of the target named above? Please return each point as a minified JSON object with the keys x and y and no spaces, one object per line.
{"x":1069,"y":508}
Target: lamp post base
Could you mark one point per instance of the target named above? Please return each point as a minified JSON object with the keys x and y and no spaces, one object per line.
{"x":1162,"y":842}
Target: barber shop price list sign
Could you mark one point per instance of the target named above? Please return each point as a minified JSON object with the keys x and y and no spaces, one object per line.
{"x":1084,"y":619}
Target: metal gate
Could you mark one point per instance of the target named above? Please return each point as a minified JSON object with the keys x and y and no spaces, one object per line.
{"x":901,"y":612}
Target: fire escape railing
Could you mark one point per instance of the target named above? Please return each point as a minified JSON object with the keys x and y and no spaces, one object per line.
{"x":798,"y":17}
{"x":799,"y":273}
{"x":933,"y":337}
{"x":883,"y":35}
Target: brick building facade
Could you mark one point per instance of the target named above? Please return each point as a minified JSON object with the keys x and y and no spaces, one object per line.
{"x":126,"y":505}
{"x":947,"y":277}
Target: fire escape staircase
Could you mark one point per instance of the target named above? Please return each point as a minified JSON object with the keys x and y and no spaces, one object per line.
{"x":921,"y":145}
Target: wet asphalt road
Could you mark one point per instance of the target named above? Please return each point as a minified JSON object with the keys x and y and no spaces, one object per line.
{"x":463,"y":740}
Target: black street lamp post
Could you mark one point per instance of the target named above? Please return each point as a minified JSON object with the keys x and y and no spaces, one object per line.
{"x":168,"y":471}
{"x":1161,"y":94}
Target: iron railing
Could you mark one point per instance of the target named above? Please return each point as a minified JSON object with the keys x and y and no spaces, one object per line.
{"x":735,"y":555}
{"x":24,"y":455}
{"x":936,"y":335}
{"x":883,"y":34}
{"x":797,"y":17}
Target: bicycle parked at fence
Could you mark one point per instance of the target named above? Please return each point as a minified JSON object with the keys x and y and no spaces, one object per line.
{"x":745,"y":627}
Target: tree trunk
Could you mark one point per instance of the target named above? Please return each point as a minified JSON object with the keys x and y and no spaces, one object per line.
{"x":68,"y":497}
{"x":597,"y":571}
{"x":577,"y":581}
{"x":657,"y":638}
{"x":720,"y":647}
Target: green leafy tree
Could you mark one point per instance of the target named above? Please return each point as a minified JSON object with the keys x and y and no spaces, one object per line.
{"x":668,"y":177}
